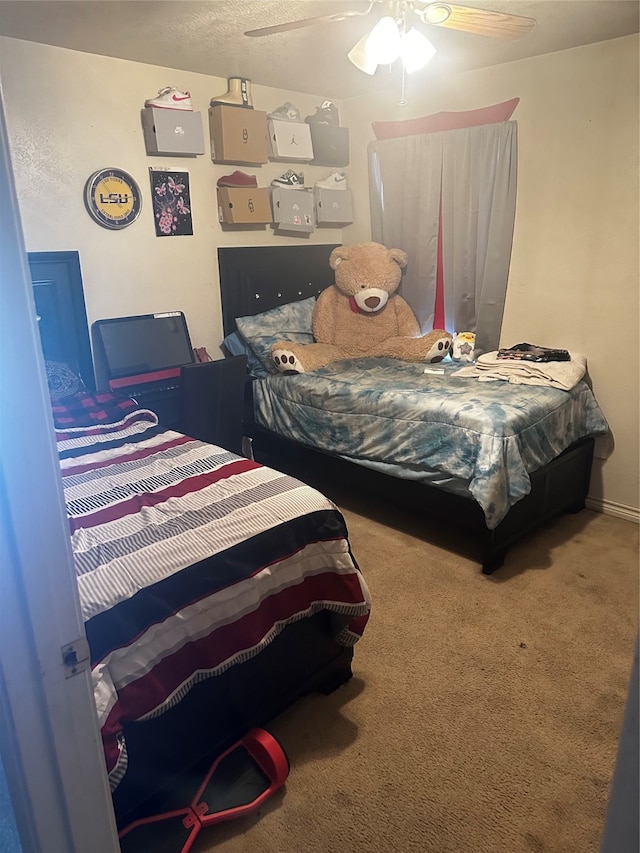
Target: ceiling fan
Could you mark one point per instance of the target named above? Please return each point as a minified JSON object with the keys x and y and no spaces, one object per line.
{"x":465,"y":18}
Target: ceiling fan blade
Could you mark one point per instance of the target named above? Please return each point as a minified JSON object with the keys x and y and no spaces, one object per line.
{"x":304,"y":22}
{"x":482,"y":22}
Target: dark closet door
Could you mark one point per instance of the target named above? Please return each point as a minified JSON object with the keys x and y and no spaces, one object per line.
{"x":61,"y":312}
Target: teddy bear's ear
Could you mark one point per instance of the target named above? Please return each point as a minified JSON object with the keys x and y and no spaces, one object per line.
{"x":399,"y":257}
{"x":339,"y":254}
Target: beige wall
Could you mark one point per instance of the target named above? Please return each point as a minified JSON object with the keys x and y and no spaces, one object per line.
{"x":574,"y":269}
{"x":71,"y":113}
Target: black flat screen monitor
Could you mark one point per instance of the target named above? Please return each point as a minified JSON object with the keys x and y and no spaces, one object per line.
{"x":146,"y":343}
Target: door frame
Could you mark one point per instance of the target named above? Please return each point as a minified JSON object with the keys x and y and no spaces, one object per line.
{"x":50,"y":739}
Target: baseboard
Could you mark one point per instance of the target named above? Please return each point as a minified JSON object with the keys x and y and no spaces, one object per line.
{"x":628,"y":513}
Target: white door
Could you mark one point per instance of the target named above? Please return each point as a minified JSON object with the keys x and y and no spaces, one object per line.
{"x":49,"y":738}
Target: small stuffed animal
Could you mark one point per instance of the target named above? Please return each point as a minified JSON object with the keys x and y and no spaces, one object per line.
{"x":463,"y":346}
{"x":362,"y":315}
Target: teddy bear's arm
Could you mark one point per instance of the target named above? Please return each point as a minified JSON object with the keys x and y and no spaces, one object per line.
{"x":324,"y":316}
{"x":407,"y":324}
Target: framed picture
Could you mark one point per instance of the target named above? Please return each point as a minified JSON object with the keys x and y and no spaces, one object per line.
{"x":171,"y":203}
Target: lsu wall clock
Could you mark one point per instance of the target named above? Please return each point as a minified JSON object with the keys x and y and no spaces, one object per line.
{"x":112,"y":198}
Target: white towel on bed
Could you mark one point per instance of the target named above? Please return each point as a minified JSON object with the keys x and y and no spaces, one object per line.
{"x":556,"y":374}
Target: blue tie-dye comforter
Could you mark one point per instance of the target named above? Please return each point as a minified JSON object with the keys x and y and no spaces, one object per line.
{"x":488,"y":435}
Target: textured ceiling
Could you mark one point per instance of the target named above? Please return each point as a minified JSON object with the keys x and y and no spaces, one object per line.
{"x":208,"y":37}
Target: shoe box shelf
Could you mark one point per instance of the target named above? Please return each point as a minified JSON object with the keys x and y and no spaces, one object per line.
{"x":290,"y":141}
{"x":332,"y":207}
{"x":238,"y":135}
{"x":244,"y":205}
{"x":247,"y":137}
{"x":293,"y":209}
{"x":330,"y":145}
{"x":316,"y":144}
{"x":300,"y":210}
{"x":174,"y":132}
{"x":244,"y":136}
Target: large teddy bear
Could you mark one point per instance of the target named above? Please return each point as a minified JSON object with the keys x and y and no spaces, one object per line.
{"x":362,"y":315}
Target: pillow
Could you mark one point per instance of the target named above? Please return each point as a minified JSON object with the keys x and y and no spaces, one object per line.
{"x":292,"y":317}
{"x":235,"y":344}
{"x":445,"y":121}
{"x":290,"y":322}
{"x":261,"y":346}
{"x":62,"y":380}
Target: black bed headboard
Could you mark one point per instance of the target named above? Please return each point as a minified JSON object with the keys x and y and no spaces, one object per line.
{"x":256,"y":278}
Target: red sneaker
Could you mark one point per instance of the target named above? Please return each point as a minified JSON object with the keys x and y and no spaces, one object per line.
{"x":238,"y":179}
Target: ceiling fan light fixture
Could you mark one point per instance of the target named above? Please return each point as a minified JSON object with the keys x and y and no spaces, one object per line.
{"x":416,"y":50}
{"x":361,"y":59}
{"x":435,"y":13}
{"x":383,"y":42}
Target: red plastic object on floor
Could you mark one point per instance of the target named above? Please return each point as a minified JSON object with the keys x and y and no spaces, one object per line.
{"x":238,"y":782}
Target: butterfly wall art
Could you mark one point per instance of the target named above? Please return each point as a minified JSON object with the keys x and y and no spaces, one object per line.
{"x":171,"y":203}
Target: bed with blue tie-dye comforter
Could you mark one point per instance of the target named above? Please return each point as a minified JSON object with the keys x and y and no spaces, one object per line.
{"x":486,"y":437}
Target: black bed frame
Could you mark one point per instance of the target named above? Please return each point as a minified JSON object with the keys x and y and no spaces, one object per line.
{"x":561,"y":486}
{"x":256,"y":279}
{"x":169,"y":755}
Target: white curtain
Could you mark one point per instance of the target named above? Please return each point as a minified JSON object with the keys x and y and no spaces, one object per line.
{"x":472,"y":172}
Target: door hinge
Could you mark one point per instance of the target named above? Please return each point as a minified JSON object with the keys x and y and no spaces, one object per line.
{"x":75,"y":657}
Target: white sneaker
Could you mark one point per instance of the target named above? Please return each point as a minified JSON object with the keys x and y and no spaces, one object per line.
{"x":171,"y":98}
{"x":334,"y":181}
{"x":287,"y":112}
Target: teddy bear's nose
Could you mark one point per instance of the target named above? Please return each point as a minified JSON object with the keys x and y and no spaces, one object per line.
{"x":372,"y":301}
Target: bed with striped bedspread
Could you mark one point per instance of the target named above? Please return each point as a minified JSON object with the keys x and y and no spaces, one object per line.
{"x":190,"y":559}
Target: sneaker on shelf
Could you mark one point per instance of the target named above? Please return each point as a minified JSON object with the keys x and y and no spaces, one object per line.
{"x":170,"y":98}
{"x":287,"y":112}
{"x":326,"y":113}
{"x":238,"y":179}
{"x":290,"y":180}
{"x":334,"y":181}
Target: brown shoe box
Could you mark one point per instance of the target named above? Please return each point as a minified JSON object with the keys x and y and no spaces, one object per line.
{"x":238,"y":135}
{"x":244,"y":205}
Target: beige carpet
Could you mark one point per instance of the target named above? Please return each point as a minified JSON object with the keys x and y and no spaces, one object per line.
{"x":484,"y":712}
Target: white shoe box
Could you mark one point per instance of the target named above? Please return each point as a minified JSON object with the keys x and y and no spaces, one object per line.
{"x":333,"y":207}
{"x":293,"y":209}
{"x":172,"y":131}
{"x":290,"y":140}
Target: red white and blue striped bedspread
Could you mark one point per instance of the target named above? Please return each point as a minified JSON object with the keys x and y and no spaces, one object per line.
{"x":190,"y":559}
